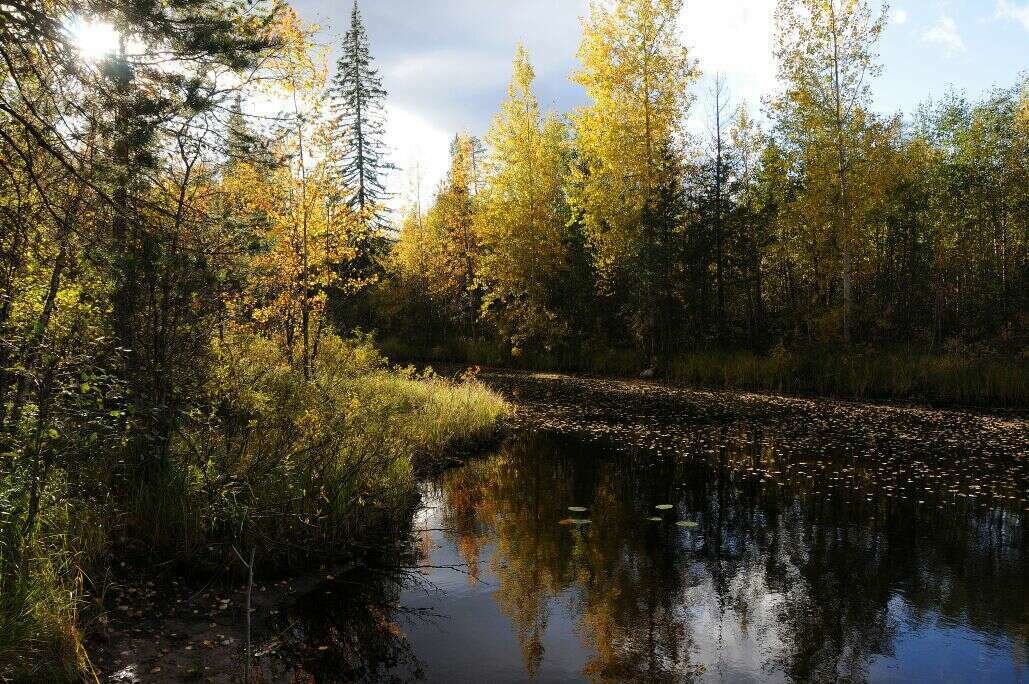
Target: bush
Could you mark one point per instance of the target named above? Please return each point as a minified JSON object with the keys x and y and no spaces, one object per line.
{"x":300,"y":469}
{"x":288,"y":465}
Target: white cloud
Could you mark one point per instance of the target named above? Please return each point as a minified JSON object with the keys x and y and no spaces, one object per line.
{"x":418,"y":149}
{"x":1010,"y":9}
{"x":900,"y":16}
{"x":945,"y":34}
{"x":733,"y":37}
{"x":469,"y":67}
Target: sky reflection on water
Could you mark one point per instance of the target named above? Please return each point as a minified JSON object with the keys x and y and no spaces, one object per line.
{"x":774,"y":583}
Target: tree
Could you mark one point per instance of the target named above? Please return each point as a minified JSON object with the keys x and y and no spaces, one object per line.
{"x":301,"y":77}
{"x":826,"y":54}
{"x":635,"y":71}
{"x":720,"y":118}
{"x":754,"y":207}
{"x":358,"y":101}
{"x":521,"y":214}
{"x":441,"y":251}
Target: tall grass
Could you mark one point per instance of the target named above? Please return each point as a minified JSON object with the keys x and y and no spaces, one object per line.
{"x":945,"y":379}
{"x":441,"y":414}
{"x":302,"y":470}
{"x":41,"y":581}
{"x":955,"y":377}
{"x":296,"y":467}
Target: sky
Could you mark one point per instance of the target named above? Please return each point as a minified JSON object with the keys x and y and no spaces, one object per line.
{"x":446,"y":63}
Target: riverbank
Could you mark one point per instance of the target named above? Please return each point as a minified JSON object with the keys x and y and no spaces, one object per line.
{"x":300,"y":472}
{"x":874,"y":461}
{"x":949,"y":379}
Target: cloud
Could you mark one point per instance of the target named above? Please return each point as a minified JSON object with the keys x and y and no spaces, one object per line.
{"x":457,"y":88}
{"x":734,"y":38}
{"x":945,"y":34}
{"x":421,"y":153}
{"x":446,"y":65}
{"x":900,"y":16}
{"x":1011,"y":10}
{"x":450,"y":60}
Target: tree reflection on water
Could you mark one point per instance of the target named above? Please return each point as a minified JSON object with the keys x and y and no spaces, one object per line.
{"x":808,"y":579}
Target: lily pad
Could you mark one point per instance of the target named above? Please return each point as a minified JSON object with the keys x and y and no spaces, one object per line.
{"x":688,"y":524}
{"x":578,"y":509}
{"x":664,"y":507}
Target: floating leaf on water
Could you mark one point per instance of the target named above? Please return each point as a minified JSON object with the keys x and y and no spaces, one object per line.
{"x":655,"y":518}
{"x":566,"y":521}
{"x":581,"y":521}
{"x":688,"y":523}
{"x":664,"y":507}
{"x":577,"y":509}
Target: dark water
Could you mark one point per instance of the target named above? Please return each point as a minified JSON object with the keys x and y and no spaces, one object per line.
{"x":771,"y":584}
{"x":804,"y":542}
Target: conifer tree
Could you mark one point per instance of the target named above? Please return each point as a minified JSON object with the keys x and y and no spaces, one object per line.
{"x":358,"y":100}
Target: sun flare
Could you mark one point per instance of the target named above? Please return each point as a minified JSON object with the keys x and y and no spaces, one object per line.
{"x":94,"y":40}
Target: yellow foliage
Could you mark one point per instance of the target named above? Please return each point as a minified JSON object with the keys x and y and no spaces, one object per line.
{"x":521,"y":213}
{"x":636,"y":72}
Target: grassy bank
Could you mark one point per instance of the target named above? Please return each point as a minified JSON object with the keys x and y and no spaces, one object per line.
{"x":298,"y":470}
{"x":937,"y":379}
{"x":956,"y":378}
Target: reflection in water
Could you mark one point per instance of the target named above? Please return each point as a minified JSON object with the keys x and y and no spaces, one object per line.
{"x":808,"y":577}
{"x":343,"y":628}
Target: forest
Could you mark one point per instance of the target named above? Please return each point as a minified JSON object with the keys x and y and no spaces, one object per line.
{"x":215,"y":324}
{"x":830,"y":249}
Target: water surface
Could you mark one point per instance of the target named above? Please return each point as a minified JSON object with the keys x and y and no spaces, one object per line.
{"x":770,"y":585}
{"x":797,"y":541}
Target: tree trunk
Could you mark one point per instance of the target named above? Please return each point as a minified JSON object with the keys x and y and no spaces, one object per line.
{"x":719,"y":246}
{"x":843,"y":227}
{"x":34,"y":345}
{"x":39,"y":464}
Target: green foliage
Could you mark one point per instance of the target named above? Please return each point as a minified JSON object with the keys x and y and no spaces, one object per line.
{"x":358,"y":101}
{"x":294,"y":467}
{"x":41,"y":579}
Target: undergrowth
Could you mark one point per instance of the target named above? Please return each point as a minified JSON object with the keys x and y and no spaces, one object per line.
{"x":294,"y":469}
{"x":952,"y":377}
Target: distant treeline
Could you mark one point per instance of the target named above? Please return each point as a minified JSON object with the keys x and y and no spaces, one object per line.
{"x":830,"y":228}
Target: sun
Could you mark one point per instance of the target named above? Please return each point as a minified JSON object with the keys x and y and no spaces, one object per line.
{"x":94,"y":40}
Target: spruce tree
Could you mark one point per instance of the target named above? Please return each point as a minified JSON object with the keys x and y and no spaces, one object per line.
{"x":358,"y":100}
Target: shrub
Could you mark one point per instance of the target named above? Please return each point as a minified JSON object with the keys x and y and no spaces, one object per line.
{"x":296,"y":468}
{"x":289,"y":465}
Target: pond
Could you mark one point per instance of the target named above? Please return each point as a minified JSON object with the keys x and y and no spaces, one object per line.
{"x":634,"y":533}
